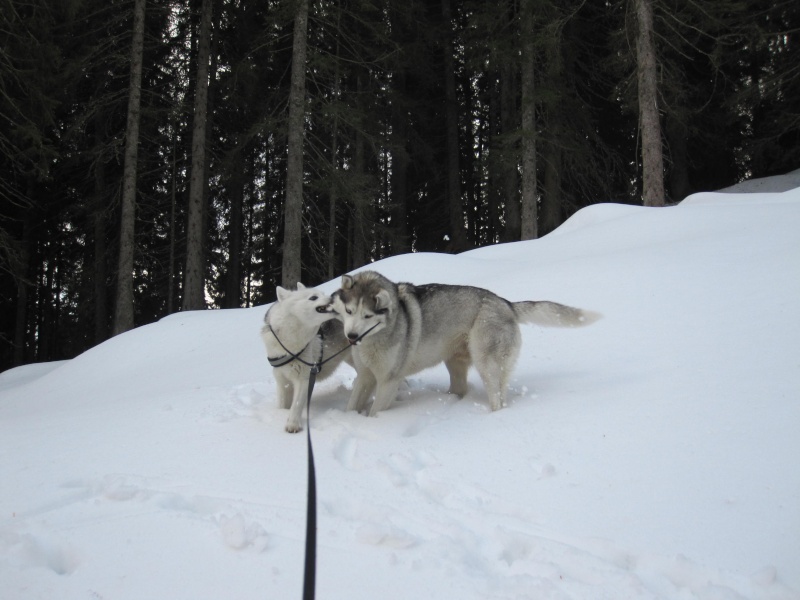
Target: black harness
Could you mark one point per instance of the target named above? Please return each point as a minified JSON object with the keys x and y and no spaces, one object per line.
{"x":280,"y":361}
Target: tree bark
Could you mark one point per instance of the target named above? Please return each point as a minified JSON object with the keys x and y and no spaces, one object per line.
{"x":99,"y":223}
{"x":361,"y":238}
{"x":194,"y":280}
{"x":293,"y":206}
{"x":123,"y":309}
{"x":233,"y":281}
{"x":399,"y":186}
{"x":528,"y":224}
{"x":551,"y":207}
{"x":458,"y":235}
{"x":646,"y":71}
{"x":21,"y":266}
{"x":171,"y":279}
{"x":507,"y":164}
{"x":330,"y":257}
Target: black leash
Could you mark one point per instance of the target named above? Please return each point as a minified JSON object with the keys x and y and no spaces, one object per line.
{"x":310,"y":575}
{"x":310,"y":571}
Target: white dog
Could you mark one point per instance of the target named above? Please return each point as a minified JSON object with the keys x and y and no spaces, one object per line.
{"x":298,"y":332}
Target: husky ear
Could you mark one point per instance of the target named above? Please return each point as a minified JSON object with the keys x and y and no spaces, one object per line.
{"x":282,"y":293}
{"x":347,"y":282}
{"x":300,"y":286}
{"x":382,"y":300}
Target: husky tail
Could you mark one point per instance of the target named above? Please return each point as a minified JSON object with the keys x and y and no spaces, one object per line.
{"x":552,"y":314}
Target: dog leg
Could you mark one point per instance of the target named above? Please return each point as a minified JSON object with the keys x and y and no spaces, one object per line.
{"x":458,"y":366}
{"x":298,"y":404}
{"x":385,"y":394}
{"x":490,"y":372}
{"x":363,"y":386}
{"x":284,"y":388}
{"x":495,"y":353}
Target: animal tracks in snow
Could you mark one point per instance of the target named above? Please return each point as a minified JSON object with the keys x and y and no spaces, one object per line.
{"x":29,"y":540}
{"x":38,"y":549}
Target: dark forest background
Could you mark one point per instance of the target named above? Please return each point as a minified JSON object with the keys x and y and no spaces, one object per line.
{"x":423,"y":125}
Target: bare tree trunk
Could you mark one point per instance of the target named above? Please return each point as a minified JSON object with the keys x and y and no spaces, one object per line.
{"x":652,"y":159}
{"x":330,"y":255}
{"x":361,"y":206}
{"x":458,"y":235}
{"x":100,"y":291}
{"x":334,"y":196}
{"x":399,"y":184}
{"x":233,"y":283}
{"x":551,"y":207}
{"x":21,"y":266}
{"x":507,"y":164}
{"x":528,"y":225}
{"x":293,"y":206}
{"x":193,"y":279}
{"x":123,"y":310}
{"x":171,"y":279}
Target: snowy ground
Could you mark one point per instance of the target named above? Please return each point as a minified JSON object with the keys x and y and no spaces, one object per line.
{"x":651,"y":455}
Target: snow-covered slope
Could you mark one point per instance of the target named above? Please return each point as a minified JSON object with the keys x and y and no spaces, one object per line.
{"x":651,"y":455}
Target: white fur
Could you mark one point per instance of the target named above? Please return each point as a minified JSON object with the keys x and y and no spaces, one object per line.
{"x":296,"y":320}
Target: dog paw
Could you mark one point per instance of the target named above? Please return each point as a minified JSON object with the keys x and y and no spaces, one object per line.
{"x":293,"y":427}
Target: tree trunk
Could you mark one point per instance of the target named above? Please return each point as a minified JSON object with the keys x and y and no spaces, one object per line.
{"x":330,"y":254}
{"x":194,"y":280}
{"x":334,"y":196}
{"x":399,"y":186}
{"x":458,"y":235}
{"x":100,"y":291}
{"x":361,"y":206}
{"x":551,"y":207}
{"x":652,"y":159}
{"x":233,"y":282}
{"x":123,"y":310}
{"x":507,"y":166}
{"x":528,"y":225}
{"x":22,"y":271}
{"x":293,"y":206}
{"x":171,"y":279}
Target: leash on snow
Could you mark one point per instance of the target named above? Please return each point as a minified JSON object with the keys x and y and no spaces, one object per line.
{"x":310,"y":573}
{"x":310,"y":570}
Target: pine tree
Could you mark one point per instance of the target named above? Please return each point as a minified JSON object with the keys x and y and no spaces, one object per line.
{"x":528,"y":218}
{"x":123,"y":312}
{"x":293,"y":205}
{"x":649,"y":117}
{"x":194,"y":277}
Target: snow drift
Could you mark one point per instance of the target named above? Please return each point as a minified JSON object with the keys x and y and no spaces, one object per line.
{"x":651,"y":455}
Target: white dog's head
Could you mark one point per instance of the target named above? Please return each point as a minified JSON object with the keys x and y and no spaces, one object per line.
{"x":364,"y":304}
{"x":310,"y":305}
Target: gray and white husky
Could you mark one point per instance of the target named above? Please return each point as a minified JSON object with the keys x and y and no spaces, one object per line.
{"x":398,"y":329}
{"x":298,"y":332}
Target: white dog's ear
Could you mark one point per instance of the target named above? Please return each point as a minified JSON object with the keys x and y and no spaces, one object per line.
{"x":282,"y":293}
{"x":382,"y":300}
{"x":300,"y":286}
{"x":347,"y":282}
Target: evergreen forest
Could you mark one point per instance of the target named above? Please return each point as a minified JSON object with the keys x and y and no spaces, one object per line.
{"x":168,"y":155}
